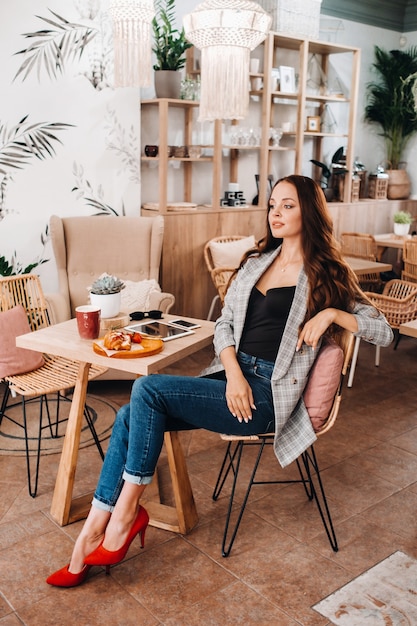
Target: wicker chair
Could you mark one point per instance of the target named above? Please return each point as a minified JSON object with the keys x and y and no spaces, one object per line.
{"x":398,"y":302}
{"x":221,"y":275}
{"x":410,"y":260}
{"x":308,"y":468}
{"x":362,"y":246}
{"x":56,"y":375}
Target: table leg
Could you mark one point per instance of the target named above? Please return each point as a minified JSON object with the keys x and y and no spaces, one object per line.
{"x":62,"y":498}
{"x":183,"y":517}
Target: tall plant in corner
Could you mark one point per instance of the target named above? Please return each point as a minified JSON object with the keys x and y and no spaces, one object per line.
{"x":390,"y":100}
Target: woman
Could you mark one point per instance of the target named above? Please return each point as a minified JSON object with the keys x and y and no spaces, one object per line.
{"x":289,"y":292}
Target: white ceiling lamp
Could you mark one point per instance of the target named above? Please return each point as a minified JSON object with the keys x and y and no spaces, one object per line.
{"x":225,"y":31}
{"x":132,"y":21}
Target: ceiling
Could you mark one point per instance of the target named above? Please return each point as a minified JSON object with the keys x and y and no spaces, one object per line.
{"x":397,"y":15}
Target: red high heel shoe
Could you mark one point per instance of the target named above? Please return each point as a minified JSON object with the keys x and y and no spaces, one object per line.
{"x":101,"y":556}
{"x":65,"y":578}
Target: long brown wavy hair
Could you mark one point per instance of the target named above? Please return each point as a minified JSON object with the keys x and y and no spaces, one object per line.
{"x":331,"y":280}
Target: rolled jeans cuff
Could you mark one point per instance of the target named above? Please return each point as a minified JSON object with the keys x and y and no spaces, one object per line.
{"x":137,"y":480}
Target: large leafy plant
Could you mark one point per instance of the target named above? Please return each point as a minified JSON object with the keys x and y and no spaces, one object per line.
{"x":170,"y":43}
{"x":390,"y":100}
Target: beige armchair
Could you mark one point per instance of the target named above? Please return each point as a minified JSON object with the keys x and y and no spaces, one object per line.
{"x":85,"y":247}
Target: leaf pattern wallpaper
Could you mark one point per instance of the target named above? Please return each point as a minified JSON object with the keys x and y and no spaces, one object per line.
{"x":69,"y":141}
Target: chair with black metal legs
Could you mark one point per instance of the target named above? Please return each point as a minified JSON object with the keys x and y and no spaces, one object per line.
{"x":307,"y":464}
{"x":23,"y":309}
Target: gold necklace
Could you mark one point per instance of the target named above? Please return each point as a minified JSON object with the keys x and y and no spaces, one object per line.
{"x":282,"y":269}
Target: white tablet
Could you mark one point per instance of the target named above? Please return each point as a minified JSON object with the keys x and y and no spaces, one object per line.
{"x":159,"y":330}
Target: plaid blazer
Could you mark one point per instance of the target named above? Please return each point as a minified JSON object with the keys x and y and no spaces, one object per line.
{"x":293,"y":430}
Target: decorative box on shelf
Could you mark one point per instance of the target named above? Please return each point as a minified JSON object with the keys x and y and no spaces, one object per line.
{"x":356,"y":185}
{"x":378,"y":185}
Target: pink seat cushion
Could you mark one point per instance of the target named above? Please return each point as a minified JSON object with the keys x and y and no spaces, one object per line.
{"x":15,"y":360}
{"x":322,"y":383}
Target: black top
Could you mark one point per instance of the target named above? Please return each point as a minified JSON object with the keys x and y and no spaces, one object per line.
{"x":265,"y":322}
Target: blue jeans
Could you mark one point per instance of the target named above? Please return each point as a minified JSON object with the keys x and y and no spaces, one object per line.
{"x":160,"y":403}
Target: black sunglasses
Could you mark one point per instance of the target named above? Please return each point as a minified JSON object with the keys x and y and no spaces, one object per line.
{"x":140,"y":315}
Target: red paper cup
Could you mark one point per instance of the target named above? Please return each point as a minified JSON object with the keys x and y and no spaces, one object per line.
{"x":88,"y":321}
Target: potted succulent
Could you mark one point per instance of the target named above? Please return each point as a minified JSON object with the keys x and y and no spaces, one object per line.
{"x":391,"y":107}
{"x":402,"y":222}
{"x":105,"y":293}
{"x":170,"y":45}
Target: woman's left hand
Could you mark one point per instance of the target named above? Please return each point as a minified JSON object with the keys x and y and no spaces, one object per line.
{"x":315,"y":328}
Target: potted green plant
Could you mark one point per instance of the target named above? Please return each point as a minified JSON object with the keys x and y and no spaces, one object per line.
{"x":391,"y":107}
{"x":105,"y":293}
{"x":170,"y":45}
{"x":402,"y":222}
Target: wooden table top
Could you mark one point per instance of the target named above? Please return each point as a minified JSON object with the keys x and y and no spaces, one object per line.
{"x":63,"y":340}
{"x":410,"y":329}
{"x":390,"y":240}
{"x":362,"y":266}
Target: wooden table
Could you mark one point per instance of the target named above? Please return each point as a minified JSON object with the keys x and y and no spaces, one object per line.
{"x":390,"y":240}
{"x":362,"y":266}
{"x":409,"y":329}
{"x":63,"y":340}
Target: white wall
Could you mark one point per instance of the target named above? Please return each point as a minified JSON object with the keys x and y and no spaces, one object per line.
{"x":98,"y":154}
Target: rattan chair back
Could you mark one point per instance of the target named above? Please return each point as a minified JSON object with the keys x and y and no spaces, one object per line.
{"x":409,"y":271}
{"x":26,"y":290}
{"x":398,"y":302}
{"x":362,"y":246}
{"x":220,"y":276}
{"x":58,"y":374}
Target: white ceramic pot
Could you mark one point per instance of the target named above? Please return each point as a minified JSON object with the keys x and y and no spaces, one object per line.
{"x":109,"y":304}
{"x":401,"y":229}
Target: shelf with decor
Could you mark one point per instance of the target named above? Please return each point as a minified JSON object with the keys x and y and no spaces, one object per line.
{"x":293,"y":56}
{"x":164,"y":119}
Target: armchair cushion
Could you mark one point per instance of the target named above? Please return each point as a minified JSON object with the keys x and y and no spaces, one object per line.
{"x":230,"y":254}
{"x":136,"y":295}
{"x":323,"y":382}
{"x":15,"y":360}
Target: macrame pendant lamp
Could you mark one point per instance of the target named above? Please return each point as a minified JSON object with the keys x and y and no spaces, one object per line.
{"x":132,"y":21}
{"x":225,"y":31}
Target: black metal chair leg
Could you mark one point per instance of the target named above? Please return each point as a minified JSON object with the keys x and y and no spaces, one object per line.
{"x":33,"y":489}
{"x":93,"y":431}
{"x":226,"y":550}
{"x":320,"y":497}
{"x":228,"y":458}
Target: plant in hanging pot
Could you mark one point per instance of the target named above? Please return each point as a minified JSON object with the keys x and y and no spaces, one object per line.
{"x":170,"y":45}
{"x":402,"y":222}
{"x":391,"y":107}
{"x":105,"y":293}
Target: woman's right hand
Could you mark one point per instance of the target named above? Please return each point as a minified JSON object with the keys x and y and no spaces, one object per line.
{"x":239,"y":395}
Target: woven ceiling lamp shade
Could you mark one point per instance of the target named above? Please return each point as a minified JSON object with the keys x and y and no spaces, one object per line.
{"x":132,"y":21}
{"x":225,"y":31}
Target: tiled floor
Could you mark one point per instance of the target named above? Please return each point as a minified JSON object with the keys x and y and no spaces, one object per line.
{"x":281,"y":563}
